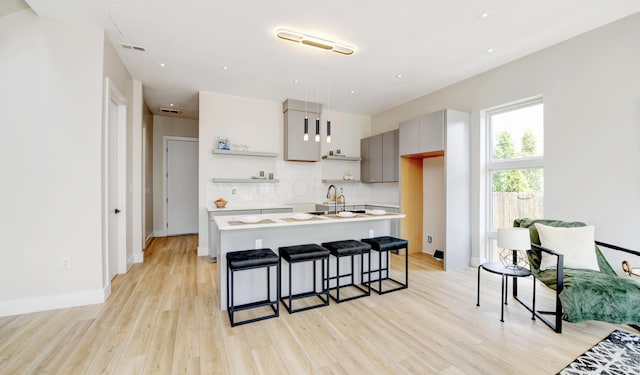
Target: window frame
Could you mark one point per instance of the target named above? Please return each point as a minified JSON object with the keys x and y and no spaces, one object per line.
{"x":493,"y":165}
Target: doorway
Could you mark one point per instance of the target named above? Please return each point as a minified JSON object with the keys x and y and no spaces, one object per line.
{"x":181,"y":185}
{"x":114,"y":227}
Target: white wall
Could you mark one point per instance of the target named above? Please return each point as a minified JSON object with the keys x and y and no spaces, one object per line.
{"x":165,"y":126}
{"x":592,"y":132}
{"x":260,"y":124}
{"x":50,"y":163}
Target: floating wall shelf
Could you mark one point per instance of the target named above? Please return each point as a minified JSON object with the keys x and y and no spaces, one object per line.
{"x":246,"y":180}
{"x":344,"y":158}
{"x":246,"y":153}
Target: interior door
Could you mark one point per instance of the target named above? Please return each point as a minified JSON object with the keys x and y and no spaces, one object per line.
{"x":112,"y":194}
{"x":182,"y":186}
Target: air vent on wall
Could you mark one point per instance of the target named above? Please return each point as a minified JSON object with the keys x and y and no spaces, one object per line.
{"x":133,"y":47}
{"x":169,"y":110}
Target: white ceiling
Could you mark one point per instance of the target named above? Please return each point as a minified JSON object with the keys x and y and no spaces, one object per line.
{"x":432,"y":43}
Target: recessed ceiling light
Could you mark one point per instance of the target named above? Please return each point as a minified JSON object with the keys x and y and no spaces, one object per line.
{"x":296,"y":81}
{"x":353,"y":91}
{"x":313,"y":41}
{"x":484,"y":15}
{"x":171,"y":105}
{"x":490,"y":50}
{"x":162,"y":65}
{"x":399,"y":75}
{"x":225,"y":68}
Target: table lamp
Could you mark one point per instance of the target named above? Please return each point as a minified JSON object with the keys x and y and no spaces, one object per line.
{"x":512,"y":240}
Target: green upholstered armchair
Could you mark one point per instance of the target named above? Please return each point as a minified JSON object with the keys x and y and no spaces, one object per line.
{"x":583,"y":294}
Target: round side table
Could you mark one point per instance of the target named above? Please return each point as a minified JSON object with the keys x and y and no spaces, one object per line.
{"x":505,"y":272}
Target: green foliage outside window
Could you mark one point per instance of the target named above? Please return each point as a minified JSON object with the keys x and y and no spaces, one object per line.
{"x":526,"y":180}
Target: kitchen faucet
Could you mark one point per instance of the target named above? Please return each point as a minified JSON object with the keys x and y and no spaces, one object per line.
{"x":335,"y":195}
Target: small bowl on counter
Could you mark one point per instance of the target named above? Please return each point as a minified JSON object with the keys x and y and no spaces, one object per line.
{"x":221,"y":204}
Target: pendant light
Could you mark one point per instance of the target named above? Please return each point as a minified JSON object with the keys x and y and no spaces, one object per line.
{"x":328,"y":102}
{"x":317,"y":109}
{"x":306,"y":114}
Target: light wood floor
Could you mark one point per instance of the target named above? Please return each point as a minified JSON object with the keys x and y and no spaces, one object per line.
{"x":163,"y":317}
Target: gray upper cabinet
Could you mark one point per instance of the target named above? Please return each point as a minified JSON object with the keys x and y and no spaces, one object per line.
{"x":410,"y":137}
{"x":379,"y":158}
{"x":423,"y":134}
{"x":390,"y":156}
{"x":295,"y":147}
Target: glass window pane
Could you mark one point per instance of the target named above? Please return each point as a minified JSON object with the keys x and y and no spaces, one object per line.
{"x":516,"y":193}
{"x":517,"y":133}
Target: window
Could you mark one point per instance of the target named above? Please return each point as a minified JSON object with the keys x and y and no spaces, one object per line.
{"x":515,"y":160}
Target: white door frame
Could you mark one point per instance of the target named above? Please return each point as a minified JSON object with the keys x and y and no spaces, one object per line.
{"x":165,"y":193}
{"x":111,"y":93}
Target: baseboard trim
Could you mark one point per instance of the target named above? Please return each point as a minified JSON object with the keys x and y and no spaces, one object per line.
{"x":203,"y":251}
{"x":138,"y":258}
{"x":476,"y":261}
{"x":54,"y":302}
{"x":160,"y":233}
{"x":147,"y":241}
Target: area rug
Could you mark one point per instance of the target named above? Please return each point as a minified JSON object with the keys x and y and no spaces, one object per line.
{"x":619,"y":353}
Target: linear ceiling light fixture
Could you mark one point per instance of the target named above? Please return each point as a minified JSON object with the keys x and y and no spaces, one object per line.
{"x":314,"y":41}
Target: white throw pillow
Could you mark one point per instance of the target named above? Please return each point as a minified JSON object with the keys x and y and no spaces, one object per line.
{"x":577,"y":244}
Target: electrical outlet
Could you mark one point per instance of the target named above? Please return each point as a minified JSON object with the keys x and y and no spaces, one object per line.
{"x":66,"y":263}
{"x":429,"y":239}
{"x":233,"y":191}
{"x":259,"y":243}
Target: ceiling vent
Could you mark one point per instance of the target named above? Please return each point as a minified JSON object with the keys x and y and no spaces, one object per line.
{"x":170,"y":110}
{"x":133,"y":47}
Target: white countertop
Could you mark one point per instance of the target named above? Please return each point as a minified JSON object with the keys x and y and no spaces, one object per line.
{"x":278,"y":220}
{"x":232,"y":206}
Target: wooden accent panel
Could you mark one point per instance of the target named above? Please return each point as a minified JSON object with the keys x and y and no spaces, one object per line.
{"x":411,"y":202}
{"x":432,"y":154}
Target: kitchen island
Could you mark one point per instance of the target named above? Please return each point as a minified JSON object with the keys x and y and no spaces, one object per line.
{"x":282,"y":229}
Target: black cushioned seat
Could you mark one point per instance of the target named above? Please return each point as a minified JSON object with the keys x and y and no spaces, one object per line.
{"x":348,"y":248}
{"x":301,"y":253}
{"x":251,"y":258}
{"x":246,"y":260}
{"x":386,"y":244}
{"x":306,"y":253}
{"x":345,"y":248}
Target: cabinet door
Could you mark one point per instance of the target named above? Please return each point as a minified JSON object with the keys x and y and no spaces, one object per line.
{"x":375,"y":157}
{"x":409,"y":137}
{"x":365,"y":161}
{"x":432,"y":132}
{"x":390,"y":156}
{"x":295,"y":147}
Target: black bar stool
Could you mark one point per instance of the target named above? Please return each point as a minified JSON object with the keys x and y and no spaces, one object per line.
{"x":385,"y":244}
{"x":247,"y":260}
{"x":306,"y":253}
{"x":349,"y":248}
